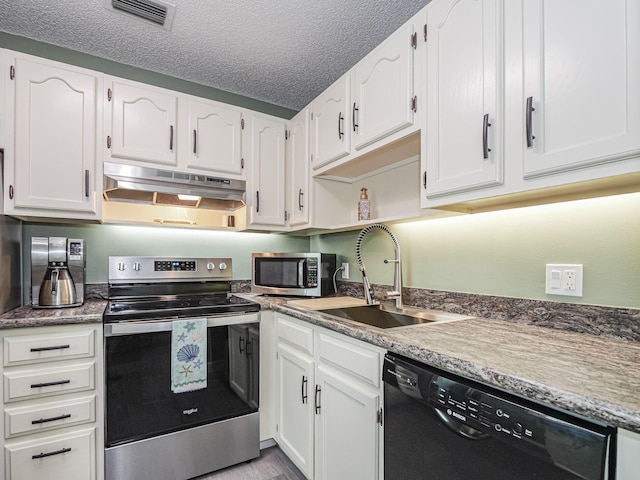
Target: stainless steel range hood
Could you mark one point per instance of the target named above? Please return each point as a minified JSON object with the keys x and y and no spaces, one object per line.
{"x":152,"y":186}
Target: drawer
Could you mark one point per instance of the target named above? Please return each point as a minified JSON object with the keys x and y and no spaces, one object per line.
{"x":361,"y":361}
{"x":49,"y":416}
{"x":21,"y":349}
{"x":71,"y":456}
{"x":42,"y":382}
{"x":296,"y":334}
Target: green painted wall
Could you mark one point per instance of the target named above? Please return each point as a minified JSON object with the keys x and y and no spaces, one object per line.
{"x":52,"y":52}
{"x":504,"y":253}
{"x":105,"y":240}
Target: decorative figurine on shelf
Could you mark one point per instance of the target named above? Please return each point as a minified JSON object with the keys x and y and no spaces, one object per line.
{"x":364,"y":207}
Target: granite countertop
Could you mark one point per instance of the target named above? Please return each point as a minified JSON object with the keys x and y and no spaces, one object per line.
{"x":26,"y":316}
{"x":593,"y":376}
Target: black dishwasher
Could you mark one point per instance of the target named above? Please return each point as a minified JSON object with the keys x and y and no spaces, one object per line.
{"x":440,"y":426}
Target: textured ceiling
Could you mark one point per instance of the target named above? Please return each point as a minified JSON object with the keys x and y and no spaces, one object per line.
{"x":283,"y":52}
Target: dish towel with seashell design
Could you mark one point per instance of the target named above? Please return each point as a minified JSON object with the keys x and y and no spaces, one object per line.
{"x":189,"y":355}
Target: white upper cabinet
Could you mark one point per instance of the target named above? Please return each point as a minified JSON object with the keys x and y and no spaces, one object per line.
{"x":463,"y":140}
{"x":266,"y":189}
{"x":581,"y":83}
{"x":383,"y":98}
{"x":298,"y":169}
{"x":330,"y":113}
{"x":141,"y":122}
{"x":215,"y":138}
{"x":50,"y":170}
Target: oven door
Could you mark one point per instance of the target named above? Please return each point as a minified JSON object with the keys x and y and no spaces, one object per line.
{"x":139,"y":400}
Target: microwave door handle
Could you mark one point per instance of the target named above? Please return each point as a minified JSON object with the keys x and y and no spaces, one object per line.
{"x":301,"y":282}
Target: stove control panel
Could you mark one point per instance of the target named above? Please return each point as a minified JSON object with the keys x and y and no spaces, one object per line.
{"x":168,"y":269}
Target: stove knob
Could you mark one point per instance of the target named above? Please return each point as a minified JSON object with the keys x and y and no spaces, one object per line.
{"x":211,"y":266}
{"x":121,"y":266}
{"x":222,"y":266}
{"x":136,"y":266}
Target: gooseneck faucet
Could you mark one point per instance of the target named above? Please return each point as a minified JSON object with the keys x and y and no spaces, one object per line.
{"x":397,"y":275}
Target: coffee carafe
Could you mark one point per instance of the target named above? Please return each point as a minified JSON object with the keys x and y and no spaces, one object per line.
{"x":57,"y":272}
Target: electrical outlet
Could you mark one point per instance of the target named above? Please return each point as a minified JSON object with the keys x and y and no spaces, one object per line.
{"x":564,"y":280}
{"x":345,"y":270}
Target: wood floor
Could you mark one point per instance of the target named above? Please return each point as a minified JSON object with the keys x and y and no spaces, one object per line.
{"x":271,"y":465}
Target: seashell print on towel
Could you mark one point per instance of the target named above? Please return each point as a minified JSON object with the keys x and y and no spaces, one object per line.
{"x":188,"y":353}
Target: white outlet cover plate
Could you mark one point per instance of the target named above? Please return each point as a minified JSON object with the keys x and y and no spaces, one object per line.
{"x":556,"y":279}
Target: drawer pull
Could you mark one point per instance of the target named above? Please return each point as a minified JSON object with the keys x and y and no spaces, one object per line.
{"x":49,"y":454}
{"x":44,"y":349}
{"x":49,"y":384}
{"x":52,"y":419}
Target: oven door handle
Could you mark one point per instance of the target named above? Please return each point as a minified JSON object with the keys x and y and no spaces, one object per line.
{"x":151,"y":326}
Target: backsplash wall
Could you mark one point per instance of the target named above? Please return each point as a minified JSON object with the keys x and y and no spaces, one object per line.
{"x":105,"y":240}
{"x":504,"y":253}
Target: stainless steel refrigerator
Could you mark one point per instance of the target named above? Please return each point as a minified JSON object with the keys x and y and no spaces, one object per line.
{"x":10,"y":256}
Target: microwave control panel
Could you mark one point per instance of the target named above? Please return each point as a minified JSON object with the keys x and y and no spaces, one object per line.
{"x":312,"y":273}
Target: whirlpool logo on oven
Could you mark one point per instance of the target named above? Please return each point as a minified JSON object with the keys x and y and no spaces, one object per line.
{"x":190,"y":411}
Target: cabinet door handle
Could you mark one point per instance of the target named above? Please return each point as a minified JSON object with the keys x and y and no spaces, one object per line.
{"x":317,"y":399}
{"x":248,"y":348}
{"x":530,"y":110}
{"x":304,"y":389}
{"x":257,"y":201}
{"x":171,"y":137}
{"x":241,"y":345}
{"x":44,"y":349}
{"x":195,"y":141}
{"x":485,"y":136}
{"x":52,"y":419}
{"x":49,"y":454}
{"x":353,"y":116}
{"x":49,"y":384}
{"x":11,"y":192}
{"x":108,"y":141}
{"x":340,"y":122}
{"x":300,"y":195}
{"x":86,"y":183}
{"x":424,"y":179}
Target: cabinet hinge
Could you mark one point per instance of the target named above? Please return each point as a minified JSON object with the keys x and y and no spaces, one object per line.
{"x":414,"y":40}
{"x":414,"y":104}
{"x":242,"y":163}
{"x":242,"y":123}
{"x":12,"y":72}
{"x":425,"y":32}
{"x":379,"y":417}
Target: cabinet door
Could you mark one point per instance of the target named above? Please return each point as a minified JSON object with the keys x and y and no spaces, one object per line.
{"x":267,"y":167}
{"x":464,"y":105}
{"x":347,"y":432}
{"x":383,"y":89}
{"x":215,"y":138}
{"x":331,"y":120}
{"x":296,"y":397}
{"x":298,"y":164}
{"x":143,"y":123}
{"x":56,"y":119}
{"x":583,"y":85}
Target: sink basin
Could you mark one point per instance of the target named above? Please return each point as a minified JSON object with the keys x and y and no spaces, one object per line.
{"x":384,"y":316}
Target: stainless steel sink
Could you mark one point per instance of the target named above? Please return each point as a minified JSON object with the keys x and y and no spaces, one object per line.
{"x":386,"y":316}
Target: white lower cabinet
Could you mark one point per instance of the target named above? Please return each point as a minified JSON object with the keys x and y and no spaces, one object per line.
{"x":330,"y":398}
{"x":52,"y":398}
{"x":628,"y":461}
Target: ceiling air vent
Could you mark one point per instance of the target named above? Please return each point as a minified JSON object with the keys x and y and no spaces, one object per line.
{"x":156,"y":11}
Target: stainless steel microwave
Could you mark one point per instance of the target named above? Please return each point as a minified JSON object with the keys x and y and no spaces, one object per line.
{"x":295,"y":274}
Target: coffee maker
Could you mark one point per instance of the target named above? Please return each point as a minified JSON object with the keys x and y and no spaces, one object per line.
{"x":57,"y":272}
